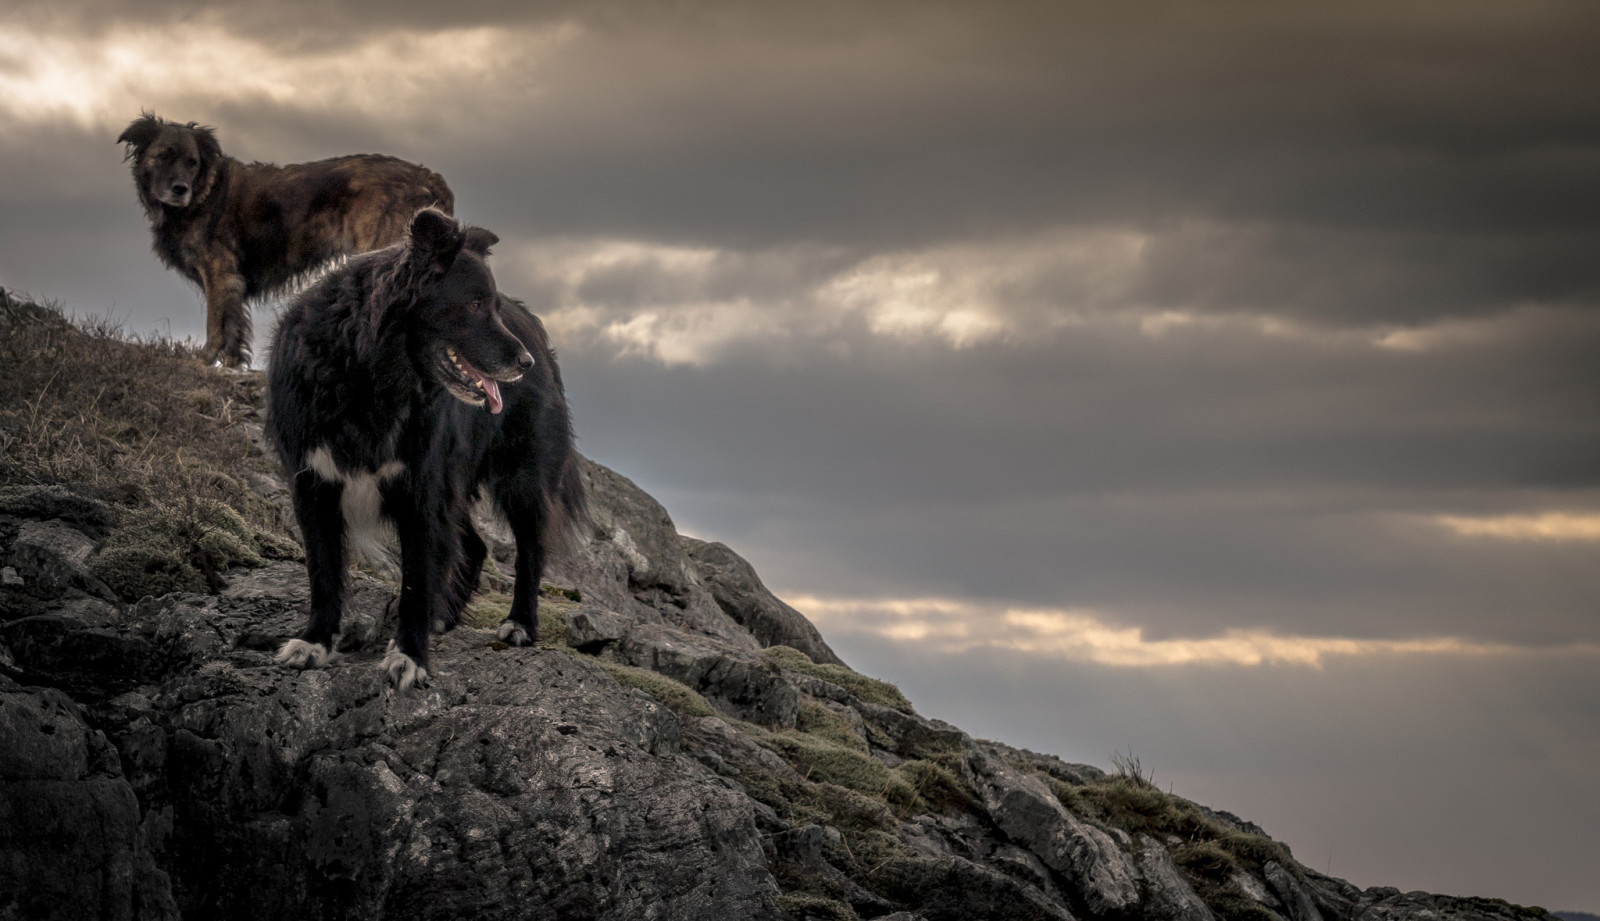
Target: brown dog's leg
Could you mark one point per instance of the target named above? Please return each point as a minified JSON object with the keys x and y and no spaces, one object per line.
{"x":227,"y":318}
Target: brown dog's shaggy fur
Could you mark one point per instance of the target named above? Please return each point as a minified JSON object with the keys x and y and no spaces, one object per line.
{"x":246,"y":230}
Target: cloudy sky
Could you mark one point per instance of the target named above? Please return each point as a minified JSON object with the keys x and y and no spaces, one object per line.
{"x":1212,"y":381}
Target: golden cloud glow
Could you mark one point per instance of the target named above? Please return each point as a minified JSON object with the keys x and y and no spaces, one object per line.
{"x":194,"y":65}
{"x":1551,"y":526}
{"x":1085,"y":636}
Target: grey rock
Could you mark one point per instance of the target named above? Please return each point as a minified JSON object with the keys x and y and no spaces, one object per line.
{"x":651,"y":545}
{"x":1388,"y":904}
{"x":738,"y":590}
{"x":590,"y":628}
{"x":1167,"y":895}
{"x":910,"y":734}
{"x":746,"y":687}
{"x":1255,"y":889}
{"x":956,"y":889}
{"x":53,"y":557}
{"x":60,"y":504}
{"x":515,"y":787}
{"x":732,"y":748}
{"x":10,"y":577}
{"x":1103,"y":874}
{"x":71,"y":844}
{"x":1298,"y":904}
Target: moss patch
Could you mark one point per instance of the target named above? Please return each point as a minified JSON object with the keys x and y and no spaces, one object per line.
{"x":487,"y":609}
{"x":870,"y":690}
{"x":675,"y":696}
{"x":802,"y":906}
{"x":183,"y":548}
{"x":820,"y":720}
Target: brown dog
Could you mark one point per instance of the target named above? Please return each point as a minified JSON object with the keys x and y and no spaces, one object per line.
{"x":242,"y":231}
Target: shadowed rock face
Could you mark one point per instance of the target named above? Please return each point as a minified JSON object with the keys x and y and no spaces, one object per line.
{"x":662,"y":761}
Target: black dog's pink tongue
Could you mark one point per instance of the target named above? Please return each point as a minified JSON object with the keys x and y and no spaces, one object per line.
{"x":491,"y":389}
{"x":489,"y":386}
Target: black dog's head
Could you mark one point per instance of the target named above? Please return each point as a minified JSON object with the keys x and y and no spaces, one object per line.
{"x":462,"y":343}
{"x":173,"y":164}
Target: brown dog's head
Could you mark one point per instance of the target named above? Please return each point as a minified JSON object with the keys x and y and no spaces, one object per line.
{"x":173,"y":164}
{"x":462,"y":342}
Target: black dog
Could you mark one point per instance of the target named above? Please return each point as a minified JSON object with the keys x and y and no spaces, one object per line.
{"x":400,"y":384}
{"x":246,"y":230}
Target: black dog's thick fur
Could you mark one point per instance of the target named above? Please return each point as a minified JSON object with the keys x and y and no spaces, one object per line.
{"x":404,"y":382}
{"x":242,"y":231}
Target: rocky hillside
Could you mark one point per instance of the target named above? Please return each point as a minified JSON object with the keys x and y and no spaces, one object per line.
{"x":681,"y":744}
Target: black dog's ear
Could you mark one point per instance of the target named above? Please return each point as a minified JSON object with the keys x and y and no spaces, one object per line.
{"x":479,"y":240}
{"x":435,"y":239}
{"x":139,"y":134}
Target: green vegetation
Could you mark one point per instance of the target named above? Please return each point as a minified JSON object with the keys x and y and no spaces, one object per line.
{"x":806,"y":907}
{"x":818,"y":719}
{"x":870,"y":690}
{"x":674,"y":695}
{"x":938,"y":787}
{"x":184,"y":547}
{"x":488,"y":608}
{"x":821,"y":760}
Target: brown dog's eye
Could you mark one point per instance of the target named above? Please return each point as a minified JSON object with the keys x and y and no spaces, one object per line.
{"x":192,"y":161}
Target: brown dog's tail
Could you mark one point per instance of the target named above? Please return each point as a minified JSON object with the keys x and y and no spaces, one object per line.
{"x":439,"y":190}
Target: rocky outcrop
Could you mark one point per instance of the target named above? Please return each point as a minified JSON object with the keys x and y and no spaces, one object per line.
{"x":681,"y":744}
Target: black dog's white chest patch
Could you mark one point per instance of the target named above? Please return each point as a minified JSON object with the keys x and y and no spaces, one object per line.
{"x":361,"y":501}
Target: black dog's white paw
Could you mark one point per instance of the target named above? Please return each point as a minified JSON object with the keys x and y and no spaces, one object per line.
{"x":403,"y":671}
{"x":298,"y":653}
{"x":511,"y":633}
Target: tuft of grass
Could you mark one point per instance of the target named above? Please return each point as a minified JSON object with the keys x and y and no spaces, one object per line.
{"x":556,"y":591}
{"x":870,"y":690}
{"x":1205,"y":859}
{"x":675,"y":696}
{"x":803,"y":906}
{"x":819,"y":720}
{"x":937,"y":787}
{"x":184,"y":547}
{"x":822,"y":760}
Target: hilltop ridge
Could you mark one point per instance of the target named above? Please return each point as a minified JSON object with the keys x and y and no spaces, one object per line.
{"x":680,"y":744}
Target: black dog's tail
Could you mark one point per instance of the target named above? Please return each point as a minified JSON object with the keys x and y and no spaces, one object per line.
{"x":566,"y":512}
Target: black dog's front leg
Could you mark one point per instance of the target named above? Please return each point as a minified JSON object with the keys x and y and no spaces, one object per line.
{"x":317,"y":507}
{"x":427,"y":554}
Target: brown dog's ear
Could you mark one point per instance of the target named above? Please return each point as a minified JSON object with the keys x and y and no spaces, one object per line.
{"x":206,"y":139}
{"x":479,"y":240}
{"x":139,"y":134}
{"x":435,"y":239}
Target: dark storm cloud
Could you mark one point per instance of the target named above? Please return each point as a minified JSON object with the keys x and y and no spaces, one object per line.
{"x":1187,"y":483}
{"x":1438,"y":159}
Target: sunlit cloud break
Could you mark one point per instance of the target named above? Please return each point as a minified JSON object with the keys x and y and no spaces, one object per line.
{"x":950,"y":626}
{"x":100,"y":81}
{"x":1551,"y":526}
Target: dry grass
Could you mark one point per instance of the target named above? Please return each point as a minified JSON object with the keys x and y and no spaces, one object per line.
{"x":870,"y":690}
{"x":141,"y":423}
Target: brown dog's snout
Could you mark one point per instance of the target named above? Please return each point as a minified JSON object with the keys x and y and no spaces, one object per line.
{"x":180,"y":188}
